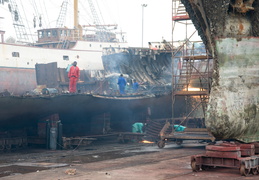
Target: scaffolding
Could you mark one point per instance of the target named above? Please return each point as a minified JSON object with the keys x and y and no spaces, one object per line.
{"x":179,"y":14}
{"x":192,"y":68}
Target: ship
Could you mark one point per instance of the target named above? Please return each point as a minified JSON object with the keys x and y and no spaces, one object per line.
{"x":60,"y":45}
{"x":229,"y":29}
{"x":34,"y":83}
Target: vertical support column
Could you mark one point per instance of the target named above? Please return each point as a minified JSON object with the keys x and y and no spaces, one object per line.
{"x":173,"y":79}
{"x":2,"y":36}
{"x":50,"y":132}
{"x":53,"y":131}
{"x":47,"y":133}
{"x":76,"y":14}
{"x":60,"y":136}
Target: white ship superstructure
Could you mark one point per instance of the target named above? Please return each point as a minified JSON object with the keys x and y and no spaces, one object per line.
{"x":87,"y":54}
{"x":59,"y":45}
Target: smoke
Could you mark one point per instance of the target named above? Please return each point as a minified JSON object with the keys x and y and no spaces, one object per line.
{"x":152,"y":71}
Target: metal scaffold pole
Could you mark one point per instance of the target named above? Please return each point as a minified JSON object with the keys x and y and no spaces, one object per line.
{"x":191,"y":70}
{"x":173,"y":82}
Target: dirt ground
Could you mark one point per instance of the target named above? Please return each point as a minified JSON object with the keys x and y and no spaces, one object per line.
{"x":111,"y":161}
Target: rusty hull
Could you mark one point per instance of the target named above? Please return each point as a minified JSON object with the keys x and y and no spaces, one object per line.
{"x":230,"y":31}
{"x":145,"y":65}
{"x":21,"y":109}
{"x":78,"y":112}
{"x":34,"y":107}
{"x":17,"y":80}
{"x":233,"y":111}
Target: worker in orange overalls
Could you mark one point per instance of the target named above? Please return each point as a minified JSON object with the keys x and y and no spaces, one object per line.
{"x":73,"y":76}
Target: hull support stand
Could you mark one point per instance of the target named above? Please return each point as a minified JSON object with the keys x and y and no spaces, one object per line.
{"x":230,"y":155}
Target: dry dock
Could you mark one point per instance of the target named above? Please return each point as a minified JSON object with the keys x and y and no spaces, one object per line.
{"x":112,"y":160}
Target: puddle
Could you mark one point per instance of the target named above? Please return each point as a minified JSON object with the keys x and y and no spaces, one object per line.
{"x":97,"y":157}
{"x":15,"y":170}
{"x":89,"y":149}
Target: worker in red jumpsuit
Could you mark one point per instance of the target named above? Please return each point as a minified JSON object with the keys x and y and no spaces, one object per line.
{"x":73,"y":76}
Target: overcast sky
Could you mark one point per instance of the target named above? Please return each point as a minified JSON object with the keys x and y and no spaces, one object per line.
{"x":157,"y":17}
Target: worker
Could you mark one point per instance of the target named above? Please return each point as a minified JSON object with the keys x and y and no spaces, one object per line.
{"x":135,"y":86}
{"x":73,"y":75}
{"x":137,"y":127}
{"x":179,"y":128}
{"x":122,"y":83}
{"x":151,"y":46}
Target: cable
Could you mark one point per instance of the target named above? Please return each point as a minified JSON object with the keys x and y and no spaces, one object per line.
{"x":47,"y":25}
{"x":100,"y":12}
{"x":28,"y":26}
{"x":87,"y":18}
{"x":78,"y":144}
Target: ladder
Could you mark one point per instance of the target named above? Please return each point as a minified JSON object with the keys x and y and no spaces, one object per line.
{"x":62,"y":14}
{"x":179,"y":11}
{"x":19,"y":27}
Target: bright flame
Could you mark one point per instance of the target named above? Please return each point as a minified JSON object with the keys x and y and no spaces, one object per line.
{"x":145,"y":141}
{"x":193,"y":89}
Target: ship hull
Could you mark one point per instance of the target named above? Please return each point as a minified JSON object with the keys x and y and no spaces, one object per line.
{"x":229,"y":29}
{"x":79,"y":113}
{"x":233,"y":109}
{"x":17,"y":80}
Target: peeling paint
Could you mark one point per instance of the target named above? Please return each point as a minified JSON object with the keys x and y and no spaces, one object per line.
{"x":230,"y":30}
{"x":234,"y":102}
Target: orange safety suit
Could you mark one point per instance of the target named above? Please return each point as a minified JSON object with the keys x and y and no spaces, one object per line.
{"x":73,"y":75}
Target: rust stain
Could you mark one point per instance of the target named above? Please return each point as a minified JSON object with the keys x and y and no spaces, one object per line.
{"x":17,"y":80}
{"x":241,"y":27}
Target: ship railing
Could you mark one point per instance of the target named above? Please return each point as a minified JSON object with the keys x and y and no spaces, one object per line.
{"x":113,"y":50}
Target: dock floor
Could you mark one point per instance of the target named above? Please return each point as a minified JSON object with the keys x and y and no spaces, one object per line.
{"x":112,"y":160}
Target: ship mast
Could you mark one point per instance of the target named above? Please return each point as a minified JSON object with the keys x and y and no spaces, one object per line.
{"x":78,"y":28}
{"x":76,"y":24}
